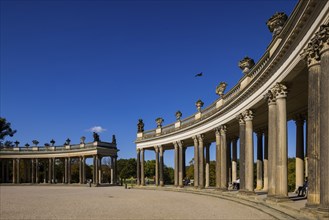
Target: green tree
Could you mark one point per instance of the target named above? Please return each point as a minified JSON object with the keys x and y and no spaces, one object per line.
{"x":291,"y":174}
{"x":168,"y":175}
{"x":127,"y":168}
{"x":149,"y":167}
{"x":5,"y":130}
{"x":212,"y":173}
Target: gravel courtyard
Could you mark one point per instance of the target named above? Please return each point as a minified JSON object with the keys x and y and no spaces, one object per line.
{"x":73,"y":202}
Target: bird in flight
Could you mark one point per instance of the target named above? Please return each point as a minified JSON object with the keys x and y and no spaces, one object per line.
{"x":199,"y":74}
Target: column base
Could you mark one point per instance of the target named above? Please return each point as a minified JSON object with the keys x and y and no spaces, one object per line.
{"x":311,"y":206}
{"x":322,"y":213}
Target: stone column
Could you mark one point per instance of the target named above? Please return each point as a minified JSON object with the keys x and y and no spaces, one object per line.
{"x":138,"y":167}
{"x":37,"y":170}
{"x":282,"y":146}
{"x":14,"y":171}
{"x":142,"y":168}
{"x":53,"y":170}
{"x":249,"y":151}
{"x":223,"y":158}
{"x":313,"y":122}
{"x":180,"y":164}
{"x":229,"y":161}
{"x":161,"y":166}
{"x":156,"y":148}
{"x":324,"y":119}
{"x":115,"y":170}
{"x":69,"y":170}
{"x":7,"y":171}
{"x":33,"y":171}
{"x":201,"y":161}
{"x":299,"y":120}
{"x":80,"y":170}
{"x":234,"y":158}
{"x":218,"y":158}
{"x":49,"y":170}
{"x":242,"y":136}
{"x":196,"y":161}
{"x":94,"y":169}
{"x":272,"y":142}
{"x":66,"y":170}
{"x":83,"y":169}
{"x":2,"y":170}
{"x":306,"y":150}
{"x":18,"y":171}
{"x":207,"y":164}
{"x":176,"y":164}
{"x":259,"y":185}
{"x":265,"y":162}
{"x":184,"y":162}
{"x":100,"y":170}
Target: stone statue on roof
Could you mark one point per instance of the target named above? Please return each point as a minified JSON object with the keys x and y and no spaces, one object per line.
{"x":140,"y":126}
{"x":96,"y":137}
{"x":114,"y":140}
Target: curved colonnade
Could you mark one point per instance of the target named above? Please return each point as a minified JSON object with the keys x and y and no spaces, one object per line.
{"x":290,"y":82}
{"x":31,"y":158}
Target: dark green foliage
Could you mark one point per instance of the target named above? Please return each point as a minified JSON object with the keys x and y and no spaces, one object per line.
{"x":5,"y":130}
{"x":168,"y":175}
{"x":291,"y":174}
{"x":127,"y":168}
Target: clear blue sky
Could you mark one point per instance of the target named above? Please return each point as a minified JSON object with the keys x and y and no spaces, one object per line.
{"x":68,"y":66}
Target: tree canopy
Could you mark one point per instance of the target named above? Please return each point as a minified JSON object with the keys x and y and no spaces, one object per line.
{"x":5,"y":130}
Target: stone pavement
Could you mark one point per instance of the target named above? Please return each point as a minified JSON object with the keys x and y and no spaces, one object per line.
{"x":292,"y":209}
{"x":70,"y":202}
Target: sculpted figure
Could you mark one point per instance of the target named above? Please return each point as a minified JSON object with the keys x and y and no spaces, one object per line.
{"x":114,"y":140}
{"x":96,"y":137}
{"x":140,"y":125}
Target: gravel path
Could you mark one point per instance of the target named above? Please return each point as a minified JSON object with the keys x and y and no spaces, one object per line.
{"x":72,"y":202}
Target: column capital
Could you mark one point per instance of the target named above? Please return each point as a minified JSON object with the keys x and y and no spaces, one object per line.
{"x":200,"y":137}
{"x":312,"y":52}
{"x":180,"y":144}
{"x":156,"y":148}
{"x":280,"y":90}
{"x":323,"y":36}
{"x":217,"y":131}
{"x":259,"y":132}
{"x":175,"y":145}
{"x":138,"y":150}
{"x":240,"y":118}
{"x":248,"y":115}
{"x":299,"y":119}
{"x":223,"y":129}
{"x":270,"y":96}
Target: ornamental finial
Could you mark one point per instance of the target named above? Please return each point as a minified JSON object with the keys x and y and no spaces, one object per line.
{"x":220,"y":89}
{"x":276,"y":23}
{"x":199,"y":104}
{"x":159,"y":122}
{"x":246,"y":64}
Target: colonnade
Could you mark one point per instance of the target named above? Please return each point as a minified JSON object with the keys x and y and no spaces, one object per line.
{"x":272,"y":170}
{"x":31,"y":170}
{"x":271,"y":173}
